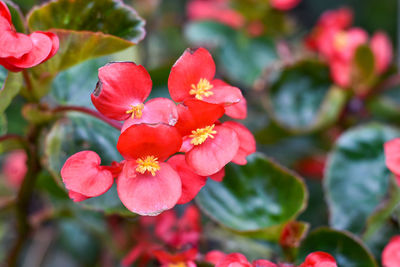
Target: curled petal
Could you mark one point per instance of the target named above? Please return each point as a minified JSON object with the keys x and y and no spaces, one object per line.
{"x":247,"y":143}
{"x":55,"y":44}
{"x":212,"y":155}
{"x":383,"y":51}
{"x":141,"y":140}
{"x":121,"y":86}
{"x":234,"y":259}
{"x":187,"y":71}
{"x":5,"y":12}
{"x":156,"y":110}
{"x":191,"y":182}
{"x":146,"y":194}
{"x":83,"y":174}
{"x":76,"y":197}
{"x":238,"y":110}
{"x":13,"y":44}
{"x":319,"y":259}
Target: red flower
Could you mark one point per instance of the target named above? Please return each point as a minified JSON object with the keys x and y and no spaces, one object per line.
{"x":179,"y":232}
{"x":217,"y":10}
{"x":392,"y":154}
{"x":235,"y":259}
{"x":192,"y":77}
{"x":183,"y":259}
{"x":208,"y":146}
{"x":319,"y":259}
{"x":120,"y":94}
{"x":19,"y":51}
{"x":14,"y":168}
{"x":383,"y":51}
{"x":147,"y":185}
{"x":391,"y":253}
{"x":284,"y":4}
{"x":84,"y":177}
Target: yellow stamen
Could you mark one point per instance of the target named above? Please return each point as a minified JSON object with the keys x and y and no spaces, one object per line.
{"x":200,"y":135}
{"x":341,"y":40}
{"x":136,"y":110}
{"x":179,"y":264}
{"x":148,"y":164}
{"x":202,"y":89}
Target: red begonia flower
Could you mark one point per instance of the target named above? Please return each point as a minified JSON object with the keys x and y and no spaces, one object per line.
{"x":319,"y":259}
{"x":341,"y":45}
{"x":284,"y":4}
{"x":192,"y":77}
{"x":179,"y":232}
{"x":237,"y":110}
{"x":217,"y":10}
{"x":83,"y":174}
{"x":15,"y":168}
{"x":234,"y":259}
{"x":185,"y":258}
{"x":147,"y":185}
{"x":214,"y":256}
{"x":264,"y":263}
{"x":383,"y":51}
{"x":191,"y":182}
{"x":247,"y":143}
{"x":156,"y":110}
{"x":391,"y":253}
{"x":392,"y":155}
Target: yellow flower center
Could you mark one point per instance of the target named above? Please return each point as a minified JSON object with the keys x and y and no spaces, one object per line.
{"x":148,"y":164}
{"x":136,"y":110}
{"x":179,"y":264}
{"x":200,"y":135}
{"x":341,"y":40}
{"x":202,"y":89}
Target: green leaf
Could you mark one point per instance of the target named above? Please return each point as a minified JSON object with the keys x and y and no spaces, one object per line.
{"x":259,"y":196}
{"x":16,"y":16}
{"x":80,"y":132}
{"x":243,"y":59}
{"x":3,"y":124}
{"x":386,"y":105}
{"x":302,"y":98}
{"x":365,"y":63}
{"x":344,"y":247}
{"x":86,"y":29}
{"x":356,"y":178}
{"x":10,"y":84}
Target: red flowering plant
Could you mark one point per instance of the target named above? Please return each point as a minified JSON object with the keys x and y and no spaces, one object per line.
{"x":272,"y":141}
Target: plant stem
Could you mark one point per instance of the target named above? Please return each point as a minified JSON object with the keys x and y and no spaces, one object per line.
{"x":27,"y":80}
{"x":90,"y":112}
{"x":25,"y":194}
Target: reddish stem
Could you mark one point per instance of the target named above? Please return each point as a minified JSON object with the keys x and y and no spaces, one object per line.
{"x":90,"y":112}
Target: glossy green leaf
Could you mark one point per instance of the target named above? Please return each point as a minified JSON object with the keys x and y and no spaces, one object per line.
{"x":386,"y":105}
{"x":356,"y":178}
{"x":242,"y":58}
{"x":344,"y":247}
{"x":365,"y":63}
{"x":86,"y":29}
{"x":16,"y":16}
{"x":302,"y":97}
{"x":80,"y":132}
{"x":259,"y":196}
{"x":10,"y":84}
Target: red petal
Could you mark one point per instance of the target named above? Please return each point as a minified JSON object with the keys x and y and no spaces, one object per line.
{"x":340,"y":73}
{"x":191,"y":182}
{"x":55,"y":44}
{"x":76,"y":197}
{"x":196,"y":114}
{"x":247,"y":143}
{"x":263,"y":263}
{"x":42,"y":47}
{"x":5,"y":12}
{"x":319,"y":259}
{"x":156,"y":110}
{"x":391,"y":253}
{"x":238,"y":110}
{"x":215,"y":256}
{"x":392,"y":154}
{"x":13,"y":44}
{"x":211,"y":156}
{"x":219,"y":176}
{"x":383,"y":51}
{"x":120,"y":85}
{"x":188,"y":70}
{"x":226,"y":95}
{"x":140,"y":140}
{"x":284,"y":5}
{"x":146,"y":194}
{"x":234,"y":259}
{"x":83,"y":174}
{"x":165,"y":257}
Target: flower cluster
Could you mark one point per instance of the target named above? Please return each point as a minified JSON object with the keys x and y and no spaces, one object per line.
{"x":392,"y":155}
{"x":336,"y":41}
{"x":153,"y":177}
{"x":315,"y":259}
{"x":19,"y":51}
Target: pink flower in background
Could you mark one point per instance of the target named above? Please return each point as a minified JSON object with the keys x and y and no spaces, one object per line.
{"x":15,"y":168}
{"x":284,"y":4}
{"x":392,"y":155}
{"x":391,"y":253}
{"x":383,"y":51}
